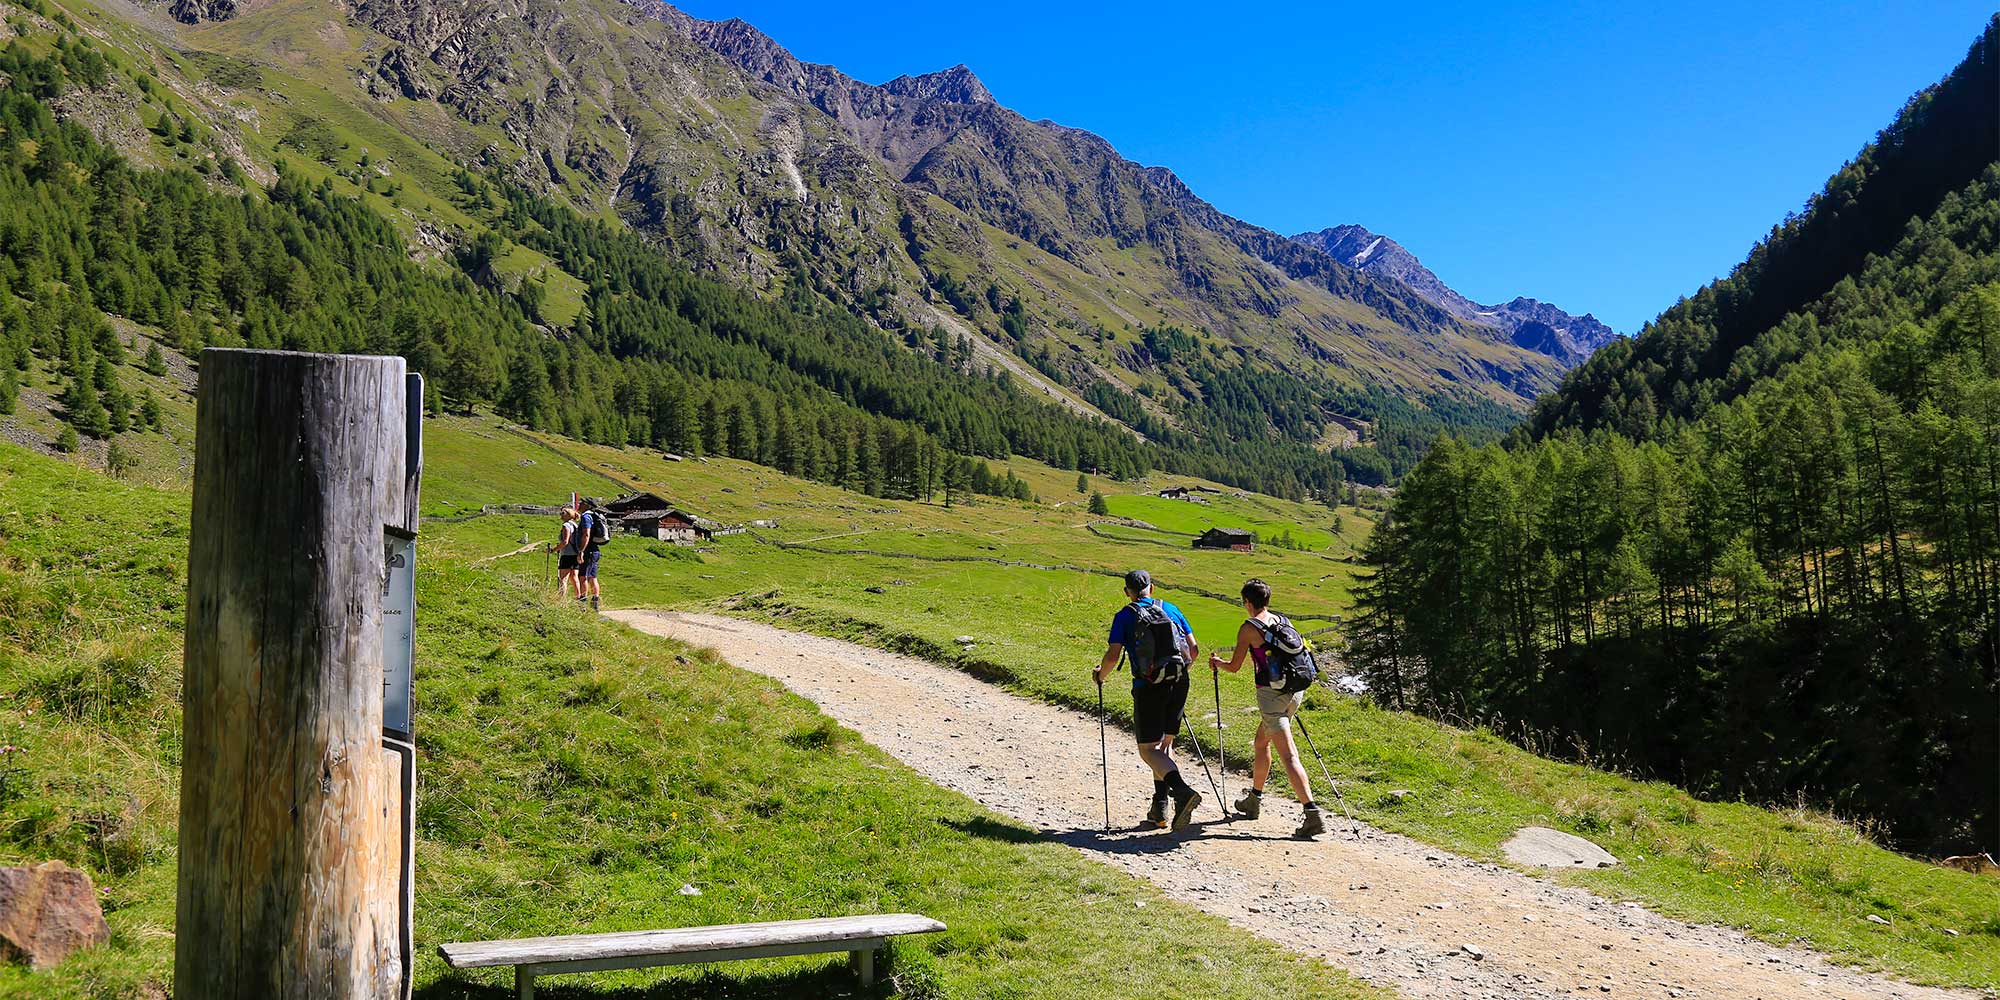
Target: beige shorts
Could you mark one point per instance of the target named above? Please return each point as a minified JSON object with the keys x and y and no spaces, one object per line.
{"x":1277,"y":707}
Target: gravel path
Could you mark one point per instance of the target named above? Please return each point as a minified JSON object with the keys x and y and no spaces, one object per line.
{"x":1389,"y":909}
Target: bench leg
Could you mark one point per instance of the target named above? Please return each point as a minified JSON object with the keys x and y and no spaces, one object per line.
{"x":524,"y":982}
{"x":864,"y":965}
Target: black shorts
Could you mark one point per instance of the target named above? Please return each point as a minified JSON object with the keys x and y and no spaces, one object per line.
{"x":567,"y":562}
{"x":1156,"y":709}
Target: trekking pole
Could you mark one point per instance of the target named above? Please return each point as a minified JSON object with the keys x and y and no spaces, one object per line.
{"x":1300,"y":721}
{"x":1221,"y":761}
{"x":1196,"y":743}
{"x":1104,"y":754}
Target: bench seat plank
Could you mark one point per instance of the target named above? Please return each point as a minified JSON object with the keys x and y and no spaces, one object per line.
{"x":687,"y":941}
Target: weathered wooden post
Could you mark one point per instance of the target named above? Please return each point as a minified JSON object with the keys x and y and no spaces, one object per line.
{"x":290,"y":827}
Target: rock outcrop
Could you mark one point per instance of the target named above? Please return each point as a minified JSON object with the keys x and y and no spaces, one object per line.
{"x":48,"y":911}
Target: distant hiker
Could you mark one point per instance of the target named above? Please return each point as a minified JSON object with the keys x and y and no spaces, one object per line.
{"x":569,"y":545}
{"x":1156,"y":637}
{"x":594,"y":530}
{"x":1284,"y":673}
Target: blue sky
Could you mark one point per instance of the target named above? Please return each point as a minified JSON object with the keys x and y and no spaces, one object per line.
{"x":1607,"y":159}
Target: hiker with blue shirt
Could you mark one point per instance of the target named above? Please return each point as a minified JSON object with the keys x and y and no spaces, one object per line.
{"x":594,"y":530}
{"x":1160,"y":644}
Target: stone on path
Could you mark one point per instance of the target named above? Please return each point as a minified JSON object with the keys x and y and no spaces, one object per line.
{"x":1539,"y":845}
{"x":46,"y":912}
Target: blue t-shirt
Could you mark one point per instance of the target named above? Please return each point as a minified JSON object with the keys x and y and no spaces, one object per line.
{"x":1121,"y":627}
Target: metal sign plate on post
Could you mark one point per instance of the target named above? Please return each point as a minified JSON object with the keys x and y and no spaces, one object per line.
{"x":399,"y":629}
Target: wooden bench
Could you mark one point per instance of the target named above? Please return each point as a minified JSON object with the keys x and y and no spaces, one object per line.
{"x":859,"y":936}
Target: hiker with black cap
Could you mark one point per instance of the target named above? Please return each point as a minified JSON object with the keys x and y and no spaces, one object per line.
{"x":1285,"y":671}
{"x":1157,"y":639}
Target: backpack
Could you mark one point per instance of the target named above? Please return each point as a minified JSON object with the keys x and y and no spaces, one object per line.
{"x":1156,"y":643}
{"x":1287,"y":655}
{"x":600,"y":527}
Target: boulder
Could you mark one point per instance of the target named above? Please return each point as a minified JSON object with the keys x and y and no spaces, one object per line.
{"x":1539,"y":845}
{"x":48,"y":911}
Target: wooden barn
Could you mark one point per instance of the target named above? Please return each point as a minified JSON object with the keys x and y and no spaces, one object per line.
{"x":676,"y":526}
{"x":651,"y":516}
{"x":1233,"y":539}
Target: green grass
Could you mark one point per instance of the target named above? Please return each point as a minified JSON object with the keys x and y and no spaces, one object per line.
{"x":1783,"y":875}
{"x":1266,"y":516}
{"x":575,"y":775}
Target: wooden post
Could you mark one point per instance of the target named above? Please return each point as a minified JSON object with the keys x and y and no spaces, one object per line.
{"x":288,"y":852}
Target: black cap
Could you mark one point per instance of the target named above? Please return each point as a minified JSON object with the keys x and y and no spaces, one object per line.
{"x":1137,"y":581}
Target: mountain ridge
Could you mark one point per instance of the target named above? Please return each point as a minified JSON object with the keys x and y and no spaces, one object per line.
{"x":1529,"y":323}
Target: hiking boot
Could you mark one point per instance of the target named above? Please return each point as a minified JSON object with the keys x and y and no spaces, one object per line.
{"x":1312,"y":826}
{"x":1184,"y":809}
{"x":1156,"y":816}
{"x":1249,"y":805}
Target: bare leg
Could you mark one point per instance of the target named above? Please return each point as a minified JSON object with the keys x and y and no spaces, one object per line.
{"x":1295,"y":772}
{"x":1159,"y":757}
{"x":1260,"y":761}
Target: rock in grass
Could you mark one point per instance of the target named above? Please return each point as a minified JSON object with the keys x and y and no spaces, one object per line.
{"x":48,"y":911}
{"x":1876,"y":918}
{"x":1539,"y":845}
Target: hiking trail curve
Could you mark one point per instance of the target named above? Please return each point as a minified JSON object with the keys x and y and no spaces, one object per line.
{"x":1390,"y":910}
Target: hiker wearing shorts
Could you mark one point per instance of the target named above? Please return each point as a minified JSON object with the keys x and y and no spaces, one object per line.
{"x":567,"y":551}
{"x":1275,"y":708}
{"x":587,"y":555}
{"x":1156,"y":704}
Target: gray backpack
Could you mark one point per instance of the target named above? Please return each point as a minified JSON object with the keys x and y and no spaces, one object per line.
{"x":1156,"y":644}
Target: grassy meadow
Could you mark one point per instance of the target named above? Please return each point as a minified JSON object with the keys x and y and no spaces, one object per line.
{"x":621,"y":740}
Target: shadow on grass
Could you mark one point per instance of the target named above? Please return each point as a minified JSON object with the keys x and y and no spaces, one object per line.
{"x":832,"y":980}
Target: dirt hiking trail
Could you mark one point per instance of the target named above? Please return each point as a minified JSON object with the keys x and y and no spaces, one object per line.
{"x":1390,"y":910}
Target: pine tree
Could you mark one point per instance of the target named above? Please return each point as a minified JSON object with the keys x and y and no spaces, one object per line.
{"x":1082,"y":484}
{"x":85,"y":412}
{"x":117,"y":405}
{"x":149,"y":410}
{"x":155,"y":361}
{"x":1098,"y":506}
{"x":957,"y":479}
{"x":66,"y":440}
{"x":120,"y":460}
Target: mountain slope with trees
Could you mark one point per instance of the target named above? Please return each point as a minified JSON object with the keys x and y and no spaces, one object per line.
{"x":1754,"y":549}
{"x":918,"y":204}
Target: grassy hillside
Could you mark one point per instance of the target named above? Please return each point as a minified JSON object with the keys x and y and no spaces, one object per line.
{"x":574,"y":776}
{"x":1784,"y":875}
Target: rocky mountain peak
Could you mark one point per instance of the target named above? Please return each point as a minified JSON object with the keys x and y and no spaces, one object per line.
{"x":957,"y":85}
{"x":1528,"y":323}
